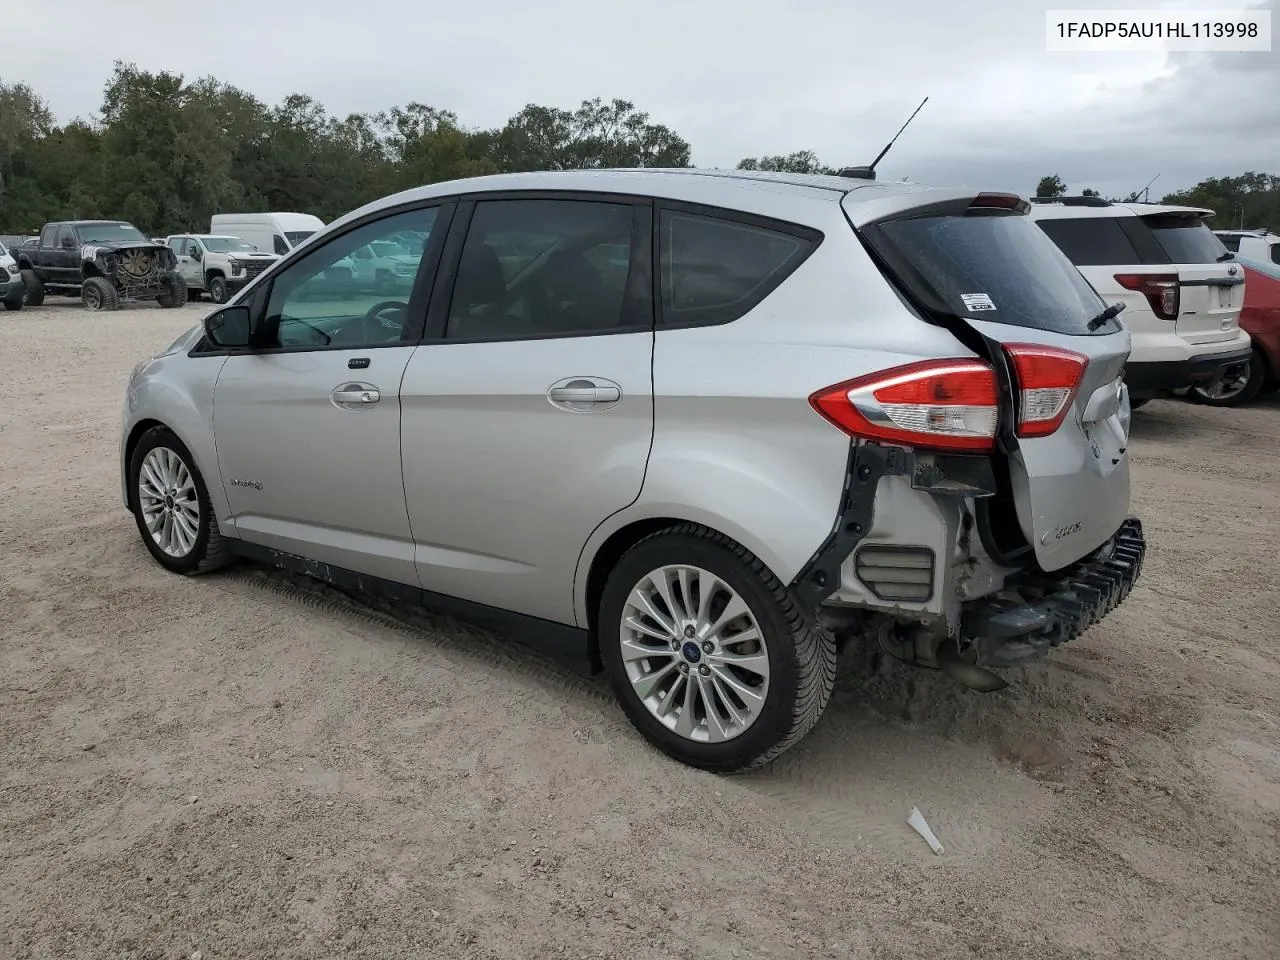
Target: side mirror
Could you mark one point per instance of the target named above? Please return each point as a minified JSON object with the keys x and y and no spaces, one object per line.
{"x":68,"y":243}
{"x":228,"y":327}
{"x":196,"y":255}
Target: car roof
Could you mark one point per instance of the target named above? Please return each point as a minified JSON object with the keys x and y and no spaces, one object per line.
{"x":767,"y":193}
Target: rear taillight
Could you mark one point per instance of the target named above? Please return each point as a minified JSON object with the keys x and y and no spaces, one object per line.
{"x":935,"y":404}
{"x":1160,"y":289}
{"x":1048,"y":379}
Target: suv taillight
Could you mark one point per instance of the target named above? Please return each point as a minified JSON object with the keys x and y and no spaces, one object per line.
{"x":1048,"y":378}
{"x":935,"y":404}
{"x":1160,"y":289}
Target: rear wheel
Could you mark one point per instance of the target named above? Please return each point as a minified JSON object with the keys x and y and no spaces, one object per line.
{"x":35,"y":289}
{"x":1239,"y":385}
{"x":173,"y":291}
{"x":707,"y":654}
{"x":97,"y":295}
{"x":172,"y":507}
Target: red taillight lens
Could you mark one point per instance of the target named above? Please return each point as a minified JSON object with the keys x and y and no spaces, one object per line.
{"x":999,"y":201}
{"x":1160,"y":289}
{"x":1048,"y":379}
{"x":935,"y":404}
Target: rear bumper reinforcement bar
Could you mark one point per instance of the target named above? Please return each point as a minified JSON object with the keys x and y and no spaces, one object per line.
{"x":1058,"y":606}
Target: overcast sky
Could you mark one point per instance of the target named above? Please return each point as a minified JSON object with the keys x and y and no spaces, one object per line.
{"x":736,"y":78}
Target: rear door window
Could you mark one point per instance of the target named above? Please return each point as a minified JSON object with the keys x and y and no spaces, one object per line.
{"x":715,"y":269}
{"x":1186,"y":239}
{"x":1001,"y":268}
{"x":1091,"y":241}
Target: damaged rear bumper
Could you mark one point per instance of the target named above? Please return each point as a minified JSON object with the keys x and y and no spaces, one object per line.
{"x":1055,"y":607}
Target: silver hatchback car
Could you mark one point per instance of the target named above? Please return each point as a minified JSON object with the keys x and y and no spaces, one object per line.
{"x":694,"y":428}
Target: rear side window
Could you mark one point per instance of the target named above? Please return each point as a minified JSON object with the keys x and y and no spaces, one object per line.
{"x":715,"y":269}
{"x":1091,"y":241}
{"x":998,"y":268}
{"x":1186,"y":239}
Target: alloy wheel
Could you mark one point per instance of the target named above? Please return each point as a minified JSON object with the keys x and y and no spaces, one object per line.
{"x":169,"y":503}
{"x":694,"y":653}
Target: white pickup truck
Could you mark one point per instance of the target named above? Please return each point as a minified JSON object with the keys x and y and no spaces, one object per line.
{"x":216,"y":265}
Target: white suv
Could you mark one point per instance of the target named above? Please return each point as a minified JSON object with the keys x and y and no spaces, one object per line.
{"x":1259,"y":244}
{"x":1182,"y":294}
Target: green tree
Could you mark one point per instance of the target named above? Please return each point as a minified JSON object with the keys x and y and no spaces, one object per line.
{"x":802,"y":161}
{"x":1249,"y":199}
{"x":1051,"y":186}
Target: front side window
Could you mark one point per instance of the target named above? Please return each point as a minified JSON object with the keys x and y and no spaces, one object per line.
{"x":714,"y":270}
{"x":66,"y":236}
{"x":181,"y":247}
{"x":318,"y":302}
{"x":280,"y":246}
{"x":539,"y":268}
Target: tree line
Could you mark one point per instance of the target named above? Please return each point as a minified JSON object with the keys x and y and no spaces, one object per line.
{"x":166,"y":154}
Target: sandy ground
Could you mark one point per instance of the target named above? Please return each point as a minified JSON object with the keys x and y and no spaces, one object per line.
{"x":244,"y":766}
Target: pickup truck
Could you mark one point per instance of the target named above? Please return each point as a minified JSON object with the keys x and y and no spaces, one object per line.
{"x":104,"y":262}
{"x":217,"y":265}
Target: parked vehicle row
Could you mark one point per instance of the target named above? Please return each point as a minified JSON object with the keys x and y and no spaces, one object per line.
{"x":692,"y":428}
{"x":1181,"y":292}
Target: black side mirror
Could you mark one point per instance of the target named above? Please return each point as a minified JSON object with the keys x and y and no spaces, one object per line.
{"x":68,"y":243}
{"x":228,"y":328}
{"x":196,"y":255}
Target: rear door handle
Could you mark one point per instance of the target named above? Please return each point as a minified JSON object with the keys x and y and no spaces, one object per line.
{"x":356,"y":393}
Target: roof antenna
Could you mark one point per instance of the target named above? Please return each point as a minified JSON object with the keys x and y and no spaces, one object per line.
{"x":869,"y":173}
{"x":1145,"y":192}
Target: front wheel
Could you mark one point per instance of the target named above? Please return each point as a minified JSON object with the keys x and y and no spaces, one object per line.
{"x":217,"y":289}
{"x":173,"y":291}
{"x":707,"y":654}
{"x":172,"y":507}
{"x":13,"y":304}
{"x":98,"y":294}
{"x":1238,"y":385}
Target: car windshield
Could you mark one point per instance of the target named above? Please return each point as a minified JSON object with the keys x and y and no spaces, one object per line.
{"x":110,"y":232}
{"x":227,"y":244}
{"x":1001,"y":268}
{"x":1262,"y":266}
{"x":1186,"y":239}
{"x":295,"y":237}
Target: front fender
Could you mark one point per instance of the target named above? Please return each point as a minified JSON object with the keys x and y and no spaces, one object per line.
{"x":177,"y":391}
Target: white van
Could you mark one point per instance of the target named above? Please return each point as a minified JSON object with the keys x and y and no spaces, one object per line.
{"x":276,"y":233}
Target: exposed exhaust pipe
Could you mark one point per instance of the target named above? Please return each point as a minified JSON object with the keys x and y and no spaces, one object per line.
{"x":966,"y":674}
{"x":925,"y":649}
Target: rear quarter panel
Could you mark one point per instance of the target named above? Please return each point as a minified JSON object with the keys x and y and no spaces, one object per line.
{"x":737,"y":446}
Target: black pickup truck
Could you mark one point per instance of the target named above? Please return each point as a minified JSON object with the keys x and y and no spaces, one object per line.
{"x":104,"y":262}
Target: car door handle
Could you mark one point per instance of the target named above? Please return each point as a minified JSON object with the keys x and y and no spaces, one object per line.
{"x":593,"y":394}
{"x":357,"y":393}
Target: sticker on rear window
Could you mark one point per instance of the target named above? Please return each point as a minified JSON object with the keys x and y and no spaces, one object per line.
{"x":977,"y":301}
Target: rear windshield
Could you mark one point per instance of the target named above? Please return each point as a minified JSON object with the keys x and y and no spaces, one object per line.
{"x":998,"y":268}
{"x":1186,"y":239}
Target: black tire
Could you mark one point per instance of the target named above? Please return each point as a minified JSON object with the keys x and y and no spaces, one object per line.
{"x":99,"y":295}
{"x":13,"y":304}
{"x":216,"y":284}
{"x":209,"y":550}
{"x":1255,"y":377}
{"x":34,"y":296}
{"x":1139,"y":404}
{"x":801,"y":655}
{"x":173,"y":291}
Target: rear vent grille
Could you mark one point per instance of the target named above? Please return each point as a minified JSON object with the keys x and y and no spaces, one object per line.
{"x":896,"y":573}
